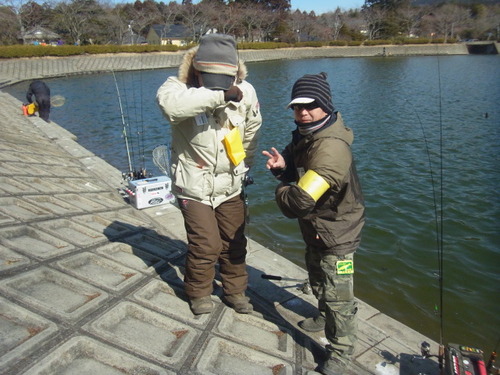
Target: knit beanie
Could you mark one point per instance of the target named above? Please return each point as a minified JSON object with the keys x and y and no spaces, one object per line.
{"x":217,"y":60}
{"x":313,"y":88}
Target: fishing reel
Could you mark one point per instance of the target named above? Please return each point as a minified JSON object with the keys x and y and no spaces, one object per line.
{"x":136,"y":175}
{"x":248,"y":180}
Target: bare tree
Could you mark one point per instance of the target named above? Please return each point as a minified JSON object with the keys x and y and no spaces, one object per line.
{"x":193,"y":18}
{"x":334,"y":21}
{"x":15,"y":7}
{"x":486,"y":22}
{"x":169,"y":13}
{"x":78,"y":19}
{"x":355,"y":24}
{"x":141,"y":15}
{"x":409,"y":18}
{"x":263,"y":22}
{"x":10,"y":26}
{"x":374,"y":17}
{"x":301,"y":24}
{"x":448,"y":18}
{"x":116,"y":25}
{"x":227,"y":18}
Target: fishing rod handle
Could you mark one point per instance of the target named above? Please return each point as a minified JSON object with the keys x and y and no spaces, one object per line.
{"x":270,"y":277}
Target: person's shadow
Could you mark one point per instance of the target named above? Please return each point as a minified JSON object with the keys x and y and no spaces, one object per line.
{"x":282,"y":304}
{"x":160,"y":254}
{"x":166,"y":256}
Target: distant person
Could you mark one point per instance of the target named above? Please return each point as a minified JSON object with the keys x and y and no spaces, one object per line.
{"x":320,"y":187}
{"x":214,"y":119}
{"x":38,"y":91}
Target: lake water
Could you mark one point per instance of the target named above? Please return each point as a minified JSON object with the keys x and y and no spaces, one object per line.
{"x":427,"y":150}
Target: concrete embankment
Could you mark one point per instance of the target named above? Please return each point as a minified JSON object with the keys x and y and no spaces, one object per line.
{"x":16,"y":70}
{"x":89,"y":284}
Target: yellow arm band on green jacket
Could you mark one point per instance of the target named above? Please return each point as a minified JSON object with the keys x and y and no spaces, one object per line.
{"x":313,"y":184}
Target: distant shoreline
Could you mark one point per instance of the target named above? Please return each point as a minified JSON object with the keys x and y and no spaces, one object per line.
{"x":23,"y":69}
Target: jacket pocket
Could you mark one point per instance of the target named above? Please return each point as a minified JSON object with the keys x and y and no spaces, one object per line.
{"x":192,"y":181}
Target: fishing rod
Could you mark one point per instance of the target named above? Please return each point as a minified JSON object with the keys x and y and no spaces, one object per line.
{"x":124,"y":131}
{"x":134,"y":110}
{"x":453,"y":359}
{"x":303,"y":285}
{"x":143,"y":191}
{"x":132,"y":173}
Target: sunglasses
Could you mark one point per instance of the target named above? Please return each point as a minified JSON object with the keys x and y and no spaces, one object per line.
{"x":307,"y":107}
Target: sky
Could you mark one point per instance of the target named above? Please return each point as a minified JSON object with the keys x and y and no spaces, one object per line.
{"x":323,"y":6}
{"x":318,"y":6}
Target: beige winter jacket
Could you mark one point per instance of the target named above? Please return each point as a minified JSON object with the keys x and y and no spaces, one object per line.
{"x":199,"y":119}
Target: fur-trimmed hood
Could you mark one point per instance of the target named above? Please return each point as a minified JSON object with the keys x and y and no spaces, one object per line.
{"x":186,"y":69}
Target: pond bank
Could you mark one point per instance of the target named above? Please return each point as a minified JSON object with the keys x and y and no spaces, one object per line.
{"x":17,"y":70}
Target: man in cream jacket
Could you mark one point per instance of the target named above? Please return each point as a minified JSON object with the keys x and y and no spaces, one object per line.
{"x":214,"y":119}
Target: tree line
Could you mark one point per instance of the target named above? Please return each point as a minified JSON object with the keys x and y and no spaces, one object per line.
{"x":100,"y":22}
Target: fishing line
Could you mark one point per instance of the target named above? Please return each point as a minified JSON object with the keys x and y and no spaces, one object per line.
{"x":141,"y":116}
{"x":129,"y":128}
{"x":124,"y":130}
{"x":138,"y":139}
{"x":441,"y":233}
{"x":438,"y":207}
{"x":137,"y":105}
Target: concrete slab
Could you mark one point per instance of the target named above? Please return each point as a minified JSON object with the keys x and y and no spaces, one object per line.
{"x":132,"y":257}
{"x":144,"y":331}
{"x":52,"y":204}
{"x":82,"y":201}
{"x":100,"y":271}
{"x":22,"y":210}
{"x":222,"y":357}
{"x":129,"y":217}
{"x":107,"y":199}
{"x":77,"y":184}
{"x":7,"y":219}
{"x":71,"y":232}
{"x":153,"y":243}
{"x":83,"y":355}
{"x":257,"y":333}
{"x":10,"y":185}
{"x":100,"y":224}
{"x":54,"y":293}
{"x":169,"y":299}
{"x":44,"y":185}
{"x":21,"y":332}
{"x":34,"y":242}
{"x":14,"y":168}
{"x":10,"y":259}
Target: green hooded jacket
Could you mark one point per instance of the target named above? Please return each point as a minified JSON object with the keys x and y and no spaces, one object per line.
{"x":334,"y":222}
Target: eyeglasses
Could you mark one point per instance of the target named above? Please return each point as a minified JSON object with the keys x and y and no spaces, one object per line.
{"x":307,"y":107}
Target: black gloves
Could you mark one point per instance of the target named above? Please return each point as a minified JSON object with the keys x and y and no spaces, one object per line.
{"x":233,"y":94}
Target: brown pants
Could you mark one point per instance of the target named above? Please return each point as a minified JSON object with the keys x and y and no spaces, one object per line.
{"x":215,"y":235}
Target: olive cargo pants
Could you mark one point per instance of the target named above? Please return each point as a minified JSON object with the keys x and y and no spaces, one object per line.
{"x":215,"y":236}
{"x":335,"y":294}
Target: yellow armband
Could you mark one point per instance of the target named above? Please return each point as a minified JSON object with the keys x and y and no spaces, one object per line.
{"x":313,"y":184}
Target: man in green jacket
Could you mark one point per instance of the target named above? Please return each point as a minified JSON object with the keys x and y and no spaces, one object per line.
{"x":214,"y":118}
{"x":320,"y":188}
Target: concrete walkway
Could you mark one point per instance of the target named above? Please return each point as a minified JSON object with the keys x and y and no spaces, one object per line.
{"x":89,"y":284}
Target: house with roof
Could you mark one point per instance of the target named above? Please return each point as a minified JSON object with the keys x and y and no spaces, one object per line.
{"x":178,"y":35}
{"x":40,"y":35}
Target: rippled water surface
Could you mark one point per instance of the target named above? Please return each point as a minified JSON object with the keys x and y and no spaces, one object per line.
{"x":427,"y":147}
